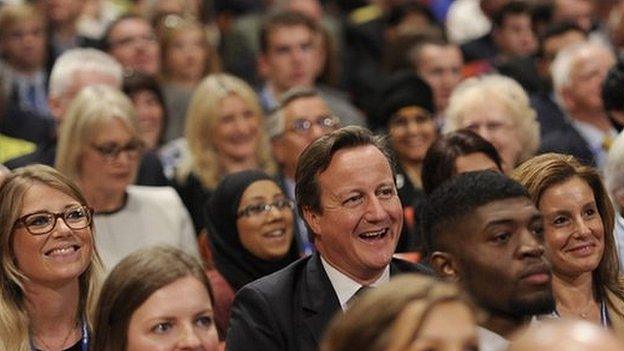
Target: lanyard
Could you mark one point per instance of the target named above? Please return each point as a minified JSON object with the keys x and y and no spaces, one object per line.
{"x":84,"y":340}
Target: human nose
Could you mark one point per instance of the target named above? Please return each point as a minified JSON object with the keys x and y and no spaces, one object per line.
{"x":189,"y":339}
{"x":316,"y":131}
{"x":60,"y":228}
{"x":582,"y":229}
{"x":274,"y":213}
{"x":375,"y":210}
{"x":530,"y":246}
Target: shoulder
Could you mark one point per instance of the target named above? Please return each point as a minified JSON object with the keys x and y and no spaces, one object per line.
{"x":157,"y":197}
{"x":398,"y":266}
{"x":280,"y":283}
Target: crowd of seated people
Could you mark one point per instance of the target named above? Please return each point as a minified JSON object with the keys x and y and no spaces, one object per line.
{"x":311,"y":175}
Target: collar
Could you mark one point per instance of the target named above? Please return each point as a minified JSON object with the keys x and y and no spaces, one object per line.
{"x":346,"y":287}
{"x":491,"y":341}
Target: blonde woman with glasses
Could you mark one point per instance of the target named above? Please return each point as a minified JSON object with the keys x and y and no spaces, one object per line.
{"x":50,"y":267}
{"x":100,"y":148}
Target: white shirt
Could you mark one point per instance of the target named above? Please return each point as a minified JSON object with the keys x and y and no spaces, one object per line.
{"x":346,"y":287}
{"x":594,"y":138}
{"x":490,"y":341}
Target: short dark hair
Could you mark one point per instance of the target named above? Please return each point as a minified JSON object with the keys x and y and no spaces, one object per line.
{"x":456,"y":199}
{"x":513,"y":8}
{"x":555,"y":30}
{"x":439,"y":162}
{"x":284,"y":19}
{"x":318,"y":155}
{"x":105,"y":44}
{"x":415,"y":51}
{"x":136,"y":82}
{"x":613,"y":88}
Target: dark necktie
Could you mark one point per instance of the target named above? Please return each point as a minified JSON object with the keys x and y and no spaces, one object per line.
{"x":363,"y":289}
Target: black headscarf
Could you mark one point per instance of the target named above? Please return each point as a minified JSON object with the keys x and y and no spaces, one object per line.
{"x":237,"y":265}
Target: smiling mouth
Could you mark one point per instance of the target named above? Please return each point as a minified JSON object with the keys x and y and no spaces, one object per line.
{"x":62,"y":251}
{"x":374,"y":235}
{"x":582,"y":249}
{"x":277,"y":233}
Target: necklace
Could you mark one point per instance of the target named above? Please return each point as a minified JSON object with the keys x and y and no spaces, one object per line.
{"x":584,"y":313}
{"x":60,"y":348}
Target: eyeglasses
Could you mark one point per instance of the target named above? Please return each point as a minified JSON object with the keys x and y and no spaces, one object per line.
{"x":111,"y":151}
{"x":257,"y":209}
{"x":303,"y":126}
{"x":43,"y":222}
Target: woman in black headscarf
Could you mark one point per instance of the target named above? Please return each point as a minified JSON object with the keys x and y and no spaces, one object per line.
{"x":250,"y":231}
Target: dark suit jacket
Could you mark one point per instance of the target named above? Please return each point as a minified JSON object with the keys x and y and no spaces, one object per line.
{"x":289,"y":309}
{"x":567,"y":140}
{"x":482,"y":48}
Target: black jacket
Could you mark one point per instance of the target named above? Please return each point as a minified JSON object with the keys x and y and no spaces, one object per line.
{"x":289,"y":309}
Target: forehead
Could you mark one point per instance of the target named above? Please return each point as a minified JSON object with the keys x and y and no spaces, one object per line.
{"x":306,"y":107}
{"x":130,"y":26}
{"x":568,"y":191}
{"x":517,"y":211}
{"x":557,"y":42}
{"x":260,"y":189}
{"x":430,"y":53}
{"x":591,"y":59}
{"x":357,"y":167}
{"x":514,"y":19}
{"x":287,"y":34}
{"x":56,"y":200}
{"x":116,"y":131}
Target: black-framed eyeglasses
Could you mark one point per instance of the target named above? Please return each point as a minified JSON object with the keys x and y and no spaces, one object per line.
{"x":257,"y":209}
{"x":111,"y":151}
{"x":303,"y":126}
{"x":43,"y":222}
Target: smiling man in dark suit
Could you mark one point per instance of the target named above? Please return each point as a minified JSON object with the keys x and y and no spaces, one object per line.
{"x":346,"y":193}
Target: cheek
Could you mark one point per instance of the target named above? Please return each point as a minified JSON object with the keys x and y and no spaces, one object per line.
{"x":247,"y":233}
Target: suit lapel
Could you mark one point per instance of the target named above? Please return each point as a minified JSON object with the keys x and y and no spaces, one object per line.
{"x":319,"y":300}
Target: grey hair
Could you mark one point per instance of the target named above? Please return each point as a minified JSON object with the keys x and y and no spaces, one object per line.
{"x":566,"y":59}
{"x":81,"y":60}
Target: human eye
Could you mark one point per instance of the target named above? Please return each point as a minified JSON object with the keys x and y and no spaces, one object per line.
{"x":161,"y":328}
{"x":248,"y":114}
{"x":204,"y":321}
{"x":353,"y":200}
{"x":538,"y":231}
{"x":399,"y":121}
{"x":75,"y":213}
{"x":256,"y":209}
{"x":591,"y":211}
{"x":385,"y":192}
{"x":501,"y":237}
{"x":227,"y":119}
{"x":282,"y":203}
{"x":38,"y":220}
{"x":560,"y":220}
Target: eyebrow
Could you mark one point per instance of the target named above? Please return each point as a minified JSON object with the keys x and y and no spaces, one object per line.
{"x":508,"y":221}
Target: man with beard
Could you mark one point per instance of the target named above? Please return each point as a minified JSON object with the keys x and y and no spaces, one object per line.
{"x":482,"y":230}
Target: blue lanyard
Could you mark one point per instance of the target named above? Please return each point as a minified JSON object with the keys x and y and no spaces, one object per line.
{"x":84,"y":340}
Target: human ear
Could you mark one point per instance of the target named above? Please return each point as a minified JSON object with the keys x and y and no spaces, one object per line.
{"x":313,"y":220}
{"x":444,"y":264}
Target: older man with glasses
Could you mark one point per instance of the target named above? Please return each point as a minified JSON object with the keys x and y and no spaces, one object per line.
{"x":301,"y":117}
